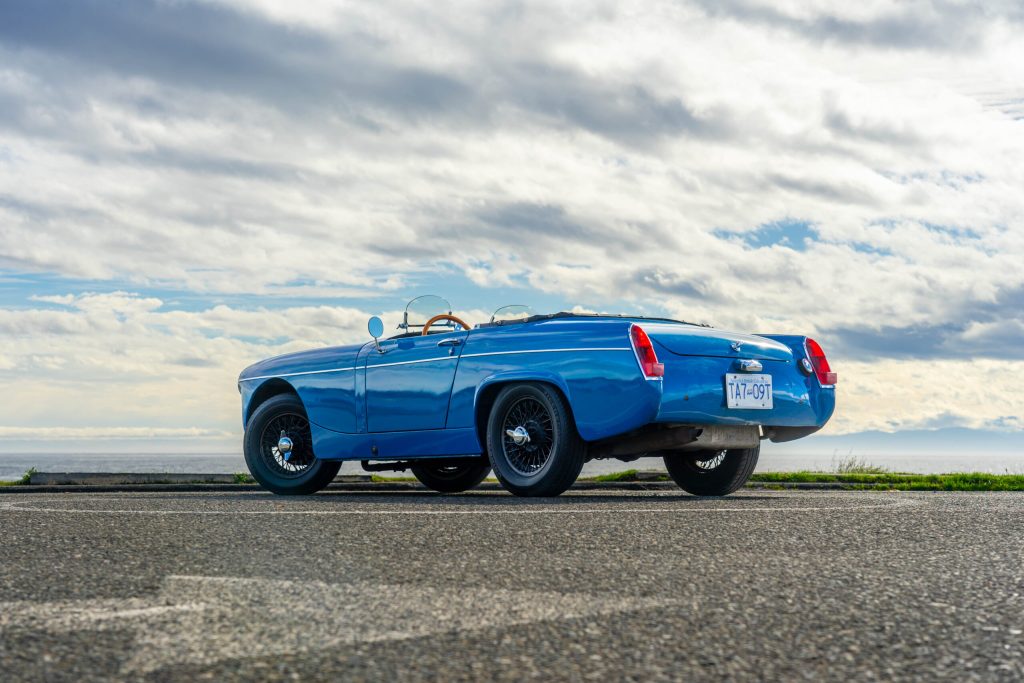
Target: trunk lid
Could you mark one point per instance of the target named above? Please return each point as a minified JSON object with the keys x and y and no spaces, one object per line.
{"x":690,"y":340}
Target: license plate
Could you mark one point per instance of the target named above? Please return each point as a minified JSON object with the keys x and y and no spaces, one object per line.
{"x":748,"y":391}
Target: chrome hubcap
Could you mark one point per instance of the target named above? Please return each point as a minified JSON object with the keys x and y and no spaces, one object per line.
{"x":519,"y":435}
{"x":284,"y":446}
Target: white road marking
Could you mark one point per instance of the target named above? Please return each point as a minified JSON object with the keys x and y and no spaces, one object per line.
{"x":77,"y":615}
{"x":203,"y":620}
{"x":525,"y":510}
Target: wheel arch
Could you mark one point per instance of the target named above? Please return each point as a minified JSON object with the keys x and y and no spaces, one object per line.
{"x":488,"y":390}
{"x":266,"y":391}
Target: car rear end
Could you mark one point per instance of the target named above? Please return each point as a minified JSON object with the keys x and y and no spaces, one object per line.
{"x":781,"y":384}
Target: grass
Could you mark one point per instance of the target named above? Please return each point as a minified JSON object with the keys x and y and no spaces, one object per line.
{"x":895,"y":481}
{"x":629,"y":475}
{"x":854,"y":465}
{"x":625,"y":475}
{"x":856,"y":473}
{"x":24,"y":481}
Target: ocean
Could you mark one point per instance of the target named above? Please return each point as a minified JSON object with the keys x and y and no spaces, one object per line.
{"x":13,"y":466}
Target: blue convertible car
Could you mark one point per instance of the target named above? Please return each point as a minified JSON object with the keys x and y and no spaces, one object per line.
{"x":532,"y":397}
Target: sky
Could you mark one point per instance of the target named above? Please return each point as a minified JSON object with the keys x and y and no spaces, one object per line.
{"x":188,"y":186}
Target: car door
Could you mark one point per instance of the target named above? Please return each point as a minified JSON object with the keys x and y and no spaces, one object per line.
{"x":409,"y":385}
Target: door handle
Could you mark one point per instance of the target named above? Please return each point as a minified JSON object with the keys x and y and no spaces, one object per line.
{"x":450,"y":341}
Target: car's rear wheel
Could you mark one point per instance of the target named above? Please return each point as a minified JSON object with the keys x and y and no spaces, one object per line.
{"x":712,"y":473}
{"x":532,"y":441}
{"x":278,"y":449}
{"x":452,"y":476}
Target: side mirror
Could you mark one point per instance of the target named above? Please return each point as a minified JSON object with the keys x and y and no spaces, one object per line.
{"x":375,"y":326}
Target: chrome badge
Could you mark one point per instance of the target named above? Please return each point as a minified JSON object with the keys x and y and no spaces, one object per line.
{"x":736,"y":346}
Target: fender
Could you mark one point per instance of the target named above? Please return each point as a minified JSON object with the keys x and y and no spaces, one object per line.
{"x":592,"y":414}
{"x":521,"y":376}
{"x":255,"y":394}
{"x":484,"y":395}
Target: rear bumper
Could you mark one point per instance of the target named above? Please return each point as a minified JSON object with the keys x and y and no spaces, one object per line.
{"x":694,"y":393}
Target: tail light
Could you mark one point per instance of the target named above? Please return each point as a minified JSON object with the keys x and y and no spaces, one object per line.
{"x":819,"y":363}
{"x":645,"y":354}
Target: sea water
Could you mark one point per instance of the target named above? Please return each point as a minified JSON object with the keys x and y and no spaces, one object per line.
{"x":13,"y":466}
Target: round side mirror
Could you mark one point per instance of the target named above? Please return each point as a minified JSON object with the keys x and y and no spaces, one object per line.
{"x":376,"y":327}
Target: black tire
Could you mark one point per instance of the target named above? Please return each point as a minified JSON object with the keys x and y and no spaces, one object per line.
{"x":711,"y":473}
{"x":301,"y":472}
{"x":451,"y":476}
{"x":550,"y":461}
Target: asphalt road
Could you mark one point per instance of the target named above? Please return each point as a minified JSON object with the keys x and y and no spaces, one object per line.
{"x":592,"y":585}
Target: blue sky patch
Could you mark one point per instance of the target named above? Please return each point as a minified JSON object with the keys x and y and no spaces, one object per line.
{"x":789,"y":233}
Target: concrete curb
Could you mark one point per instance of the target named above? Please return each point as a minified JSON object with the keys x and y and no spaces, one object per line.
{"x":804,"y":485}
{"x":121,"y":478}
{"x":107,"y":482}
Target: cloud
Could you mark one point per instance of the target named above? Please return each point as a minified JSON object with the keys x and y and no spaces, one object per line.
{"x":166,"y":371}
{"x":119,"y":364}
{"x":198,"y":45}
{"x":905,"y":25}
{"x":847,"y":171}
{"x":894,"y":395}
{"x":101,"y":433}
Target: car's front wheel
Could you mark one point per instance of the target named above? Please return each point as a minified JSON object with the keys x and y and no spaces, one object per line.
{"x":452,"y":476}
{"x":278,"y":449}
{"x":712,"y":473}
{"x":532,"y":441}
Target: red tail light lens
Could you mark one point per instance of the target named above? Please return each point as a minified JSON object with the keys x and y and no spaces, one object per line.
{"x":645,"y":354}
{"x":824,"y":373}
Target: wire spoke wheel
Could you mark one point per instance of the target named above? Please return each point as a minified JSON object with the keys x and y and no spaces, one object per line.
{"x":527,"y":454}
{"x":287,"y":463}
{"x":278,"y":447}
{"x":452,"y":476}
{"x":711,"y":463}
{"x":712,"y":473}
{"x":448,"y":470}
{"x":532,"y":442}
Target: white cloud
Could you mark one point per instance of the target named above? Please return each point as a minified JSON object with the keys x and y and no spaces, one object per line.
{"x":893,"y":395}
{"x":598,"y":153}
{"x":166,"y":374}
{"x":103,"y":433}
{"x":116,"y":366}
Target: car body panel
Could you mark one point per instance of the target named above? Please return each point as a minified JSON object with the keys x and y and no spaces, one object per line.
{"x":590,"y":364}
{"x":331,"y":445}
{"x":325,"y":379}
{"x":408,"y":385}
{"x":694,"y":394}
{"x":692,"y":340}
{"x":418,"y":399}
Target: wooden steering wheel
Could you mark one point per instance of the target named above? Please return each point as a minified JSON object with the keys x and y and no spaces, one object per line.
{"x":444,"y":316}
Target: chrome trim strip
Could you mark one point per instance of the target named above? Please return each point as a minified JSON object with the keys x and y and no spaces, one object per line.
{"x":508,"y":353}
{"x":428,"y":360}
{"x":410,"y":362}
{"x":294,"y":374}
